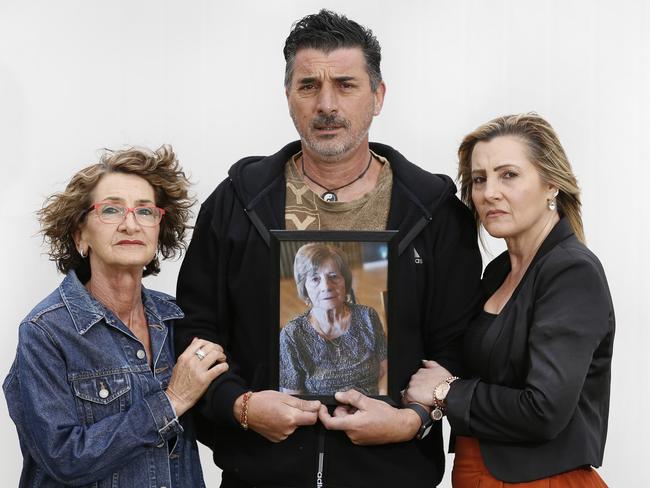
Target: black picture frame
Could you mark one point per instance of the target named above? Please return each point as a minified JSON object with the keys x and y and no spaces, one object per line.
{"x":371,"y":257}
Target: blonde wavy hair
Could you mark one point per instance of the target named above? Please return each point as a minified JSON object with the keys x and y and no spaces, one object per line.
{"x":63,"y":213}
{"x":545,"y":152}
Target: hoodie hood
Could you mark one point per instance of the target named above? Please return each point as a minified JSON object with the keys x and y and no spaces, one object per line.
{"x":415,"y":197}
{"x":254,"y":176}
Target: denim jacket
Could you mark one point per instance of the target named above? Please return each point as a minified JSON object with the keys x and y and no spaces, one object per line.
{"x":88,"y":408}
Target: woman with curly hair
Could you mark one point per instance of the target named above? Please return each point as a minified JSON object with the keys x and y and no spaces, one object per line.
{"x":94,"y":391}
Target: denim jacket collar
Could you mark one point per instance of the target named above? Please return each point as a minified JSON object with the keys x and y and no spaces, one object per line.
{"x":86,"y":312}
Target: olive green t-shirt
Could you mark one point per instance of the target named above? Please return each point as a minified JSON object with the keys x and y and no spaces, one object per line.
{"x":305,"y":210}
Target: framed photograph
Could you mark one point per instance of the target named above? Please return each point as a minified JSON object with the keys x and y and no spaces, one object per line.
{"x":331,"y":312}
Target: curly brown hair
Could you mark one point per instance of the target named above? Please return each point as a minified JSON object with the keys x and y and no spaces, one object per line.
{"x":63,"y":213}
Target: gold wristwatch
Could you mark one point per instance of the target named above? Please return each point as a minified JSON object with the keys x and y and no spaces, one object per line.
{"x":439,"y":395}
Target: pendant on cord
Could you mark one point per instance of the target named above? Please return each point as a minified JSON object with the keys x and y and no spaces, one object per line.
{"x":329,"y":195}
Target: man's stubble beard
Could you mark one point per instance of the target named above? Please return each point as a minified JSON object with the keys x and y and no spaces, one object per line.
{"x":330,"y":150}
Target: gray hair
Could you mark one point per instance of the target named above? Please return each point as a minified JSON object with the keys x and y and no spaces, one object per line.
{"x":310,"y":257}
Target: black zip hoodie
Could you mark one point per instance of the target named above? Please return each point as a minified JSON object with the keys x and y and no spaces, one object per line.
{"x":223,"y":289}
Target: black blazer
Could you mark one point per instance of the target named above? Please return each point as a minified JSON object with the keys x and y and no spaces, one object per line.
{"x":541,"y":403}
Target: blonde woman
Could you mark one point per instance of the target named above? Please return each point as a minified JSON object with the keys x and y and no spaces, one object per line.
{"x":533,"y":408}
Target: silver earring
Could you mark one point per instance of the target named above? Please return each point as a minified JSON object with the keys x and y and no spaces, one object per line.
{"x":551,"y":202}
{"x":81,"y":253}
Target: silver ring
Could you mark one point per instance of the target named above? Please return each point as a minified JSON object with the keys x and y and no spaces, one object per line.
{"x":200,"y":353}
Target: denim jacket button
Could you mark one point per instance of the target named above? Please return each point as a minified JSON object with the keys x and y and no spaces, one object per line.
{"x":103,"y":393}
{"x":141,"y":354}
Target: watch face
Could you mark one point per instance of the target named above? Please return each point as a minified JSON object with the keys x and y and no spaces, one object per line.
{"x":436,"y":414}
{"x":441,"y":391}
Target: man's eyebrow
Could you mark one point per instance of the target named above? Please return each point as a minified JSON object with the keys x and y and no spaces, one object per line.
{"x":308,"y":80}
{"x":313,"y":79}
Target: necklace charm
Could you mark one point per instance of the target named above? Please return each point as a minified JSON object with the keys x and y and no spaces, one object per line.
{"x":329,"y":195}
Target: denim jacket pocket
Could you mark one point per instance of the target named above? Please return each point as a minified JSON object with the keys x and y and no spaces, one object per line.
{"x":101,"y":394}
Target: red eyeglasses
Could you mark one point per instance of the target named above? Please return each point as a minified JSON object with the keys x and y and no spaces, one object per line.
{"x":114,"y":213}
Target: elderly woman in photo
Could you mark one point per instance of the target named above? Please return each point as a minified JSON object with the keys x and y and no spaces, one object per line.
{"x":335,"y":345}
{"x":533,"y":407}
{"x":94,"y":391}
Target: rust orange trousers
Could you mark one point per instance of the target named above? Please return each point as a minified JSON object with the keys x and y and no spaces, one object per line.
{"x":470,"y":472}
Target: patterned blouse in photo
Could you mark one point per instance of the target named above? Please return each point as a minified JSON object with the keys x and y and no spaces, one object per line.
{"x":318,"y":366}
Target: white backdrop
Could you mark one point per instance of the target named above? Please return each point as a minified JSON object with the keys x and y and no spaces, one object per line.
{"x":206,"y":76}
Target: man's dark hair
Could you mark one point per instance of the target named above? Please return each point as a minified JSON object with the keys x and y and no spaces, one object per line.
{"x":327,"y":31}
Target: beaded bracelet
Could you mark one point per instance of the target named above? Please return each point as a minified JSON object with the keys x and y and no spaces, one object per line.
{"x":243,"y":417}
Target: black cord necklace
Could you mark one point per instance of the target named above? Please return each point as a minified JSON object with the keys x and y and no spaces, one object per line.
{"x":329,"y":195}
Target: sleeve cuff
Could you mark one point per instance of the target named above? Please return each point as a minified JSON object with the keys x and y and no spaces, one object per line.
{"x":163,"y":415}
{"x":218,"y":401}
{"x":171,"y":404}
{"x":459,"y":401}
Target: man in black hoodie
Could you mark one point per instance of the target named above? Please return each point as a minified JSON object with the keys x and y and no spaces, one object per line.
{"x":332,"y":179}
